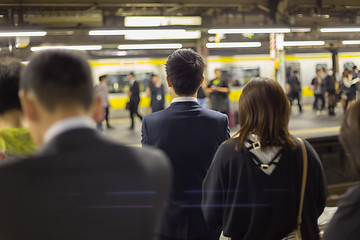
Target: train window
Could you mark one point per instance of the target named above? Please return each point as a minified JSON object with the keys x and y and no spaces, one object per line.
{"x":238,"y":76}
{"x":349,"y":66}
{"x":291,"y":67}
{"x":320,"y":66}
{"x":119,"y":83}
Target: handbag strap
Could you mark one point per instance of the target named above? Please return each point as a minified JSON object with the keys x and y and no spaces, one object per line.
{"x":303,"y":183}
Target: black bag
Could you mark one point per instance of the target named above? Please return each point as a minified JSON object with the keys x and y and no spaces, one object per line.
{"x":127,"y":107}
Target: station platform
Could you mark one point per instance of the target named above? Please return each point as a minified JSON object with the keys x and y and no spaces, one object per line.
{"x":306,"y":125}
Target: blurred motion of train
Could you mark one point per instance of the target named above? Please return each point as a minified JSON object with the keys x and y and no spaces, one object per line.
{"x":237,"y":70}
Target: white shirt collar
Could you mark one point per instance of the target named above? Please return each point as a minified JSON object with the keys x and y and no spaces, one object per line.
{"x":184,"y":99}
{"x":67,"y":124}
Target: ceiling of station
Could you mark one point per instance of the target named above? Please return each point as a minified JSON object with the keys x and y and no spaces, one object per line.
{"x":68,"y":22}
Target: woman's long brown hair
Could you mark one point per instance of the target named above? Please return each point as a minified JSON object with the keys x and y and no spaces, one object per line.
{"x":264,"y":110}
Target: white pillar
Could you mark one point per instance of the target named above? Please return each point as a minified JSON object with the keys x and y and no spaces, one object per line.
{"x":280,"y":58}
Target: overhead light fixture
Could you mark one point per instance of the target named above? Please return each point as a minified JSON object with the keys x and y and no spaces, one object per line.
{"x":156,"y":21}
{"x":300,"y":29}
{"x":302,"y":43}
{"x":149,"y":46}
{"x":78,"y":47}
{"x":150,"y":34}
{"x":233,"y":45}
{"x":23,"y":34}
{"x":249,"y":30}
{"x":350,"y":42}
{"x":332,"y":30}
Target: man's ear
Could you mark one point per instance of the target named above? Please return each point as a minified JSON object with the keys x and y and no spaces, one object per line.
{"x":28,"y":105}
{"x":168,"y":81}
{"x":98,"y":109}
{"x":202,"y":80}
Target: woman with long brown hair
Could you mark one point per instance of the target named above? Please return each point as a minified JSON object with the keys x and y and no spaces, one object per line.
{"x":252,"y":188}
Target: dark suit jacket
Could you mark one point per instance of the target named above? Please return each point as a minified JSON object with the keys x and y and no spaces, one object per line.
{"x":81,"y":186}
{"x":190,"y":135}
{"x":346,"y":222}
{"x":135,"y":93}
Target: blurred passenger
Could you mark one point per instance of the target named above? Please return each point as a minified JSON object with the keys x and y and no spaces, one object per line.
{"x":103,"y":91}
{"x":219,"y":90}
{"x":343,"y":89}
{"x":156,"y":92}
{"x":252,"y":188}
{"x":355,"y":72}
{"x":190,"y":135}
{"x":134,"y":95}
{"x":330,"y":92}
{"x":295,"y":90}
{"x":80,"y":185}
{"x":14,"y":138}
{"x":202,"y":98}
{"x":345,"y":224}
{"x":350,"y":85}
{"x":318,"y":87}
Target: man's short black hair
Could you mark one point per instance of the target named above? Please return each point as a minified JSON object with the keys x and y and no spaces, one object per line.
{"x":185,"y":69}
{"x":102,"y":77}
{"x":59,"y":78}
{"x":9,"y":84}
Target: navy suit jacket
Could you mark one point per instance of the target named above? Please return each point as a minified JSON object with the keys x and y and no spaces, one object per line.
{"x":190,"y":135}
{"x":82,"y":186}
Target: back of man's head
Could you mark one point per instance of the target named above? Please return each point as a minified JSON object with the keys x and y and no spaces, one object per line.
{"x":59,"y":79}
{"x":185,"y":69}
{"x":9,"y":84}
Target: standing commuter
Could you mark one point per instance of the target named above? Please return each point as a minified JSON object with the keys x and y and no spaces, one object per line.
{"x":156,"y":93}
{"x":190,"y":135}
{"x":219,"y":90}
{"x":134,"y":95}
{"x":79,"y":185}
{"x":318,"y":87}
{"x":102,"y":90}
{"x":345,"y":224}
{"x":330,"y":93}
{"x":253,"y":186}
{"x":295,"y":90}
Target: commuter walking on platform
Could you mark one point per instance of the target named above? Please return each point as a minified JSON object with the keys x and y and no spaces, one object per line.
{"x":295,"y":90}
{"x":155,"y":91}
{"x":318,"y":87}
{"x":79,"y":185}
{"x":345,"y":223}
{"x":134,"y":95}
{"x":330,"y":92}
{"x":252,"y":190}
{"x":103,"y":91}
{"x":189,"y":134}
{"x":219,"y":90}
{"x":350,"y":84}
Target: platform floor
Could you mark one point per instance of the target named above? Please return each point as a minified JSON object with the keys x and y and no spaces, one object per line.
{"x":306,"y":125}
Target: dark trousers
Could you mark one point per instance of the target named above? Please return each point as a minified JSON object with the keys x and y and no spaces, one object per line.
{"x":134,"y":110}
{"x":293,"y":97}
{"x":107,"y":116}
{"x":319,"y":97}
{"x":214,"y":237}
{"x":331,"y":103}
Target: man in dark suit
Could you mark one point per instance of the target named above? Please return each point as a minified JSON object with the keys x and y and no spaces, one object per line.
{"x":79,"y":185}
{"x":134,"y":95}
{"x":190,"y":135}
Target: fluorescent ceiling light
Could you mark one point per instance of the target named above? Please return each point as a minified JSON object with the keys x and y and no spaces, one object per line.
{"x":233,"y":45}
{"x":150,"y":34}
{"x":162,"y":34}
{"x":155,"y":21}
{"x":149,"y":46}
{"x":302,"y":43}
{"x":23,"y":34}
{"x":79,"y":47}
{"x":248,"y":30}
{"x":330,"y":30}
{"x":351,"y":42}
{"x":300,"y":29}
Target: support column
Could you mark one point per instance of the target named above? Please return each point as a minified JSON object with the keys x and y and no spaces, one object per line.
{"x":335,"y":60}
{"x":280,"y":59}
{"x":203,"y":51}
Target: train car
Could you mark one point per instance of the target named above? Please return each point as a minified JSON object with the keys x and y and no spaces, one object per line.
{"x":237,"y":69}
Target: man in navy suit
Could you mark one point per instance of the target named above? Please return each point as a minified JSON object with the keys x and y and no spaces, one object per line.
{"x":190,"y":135}
{"x":79,"y":185}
